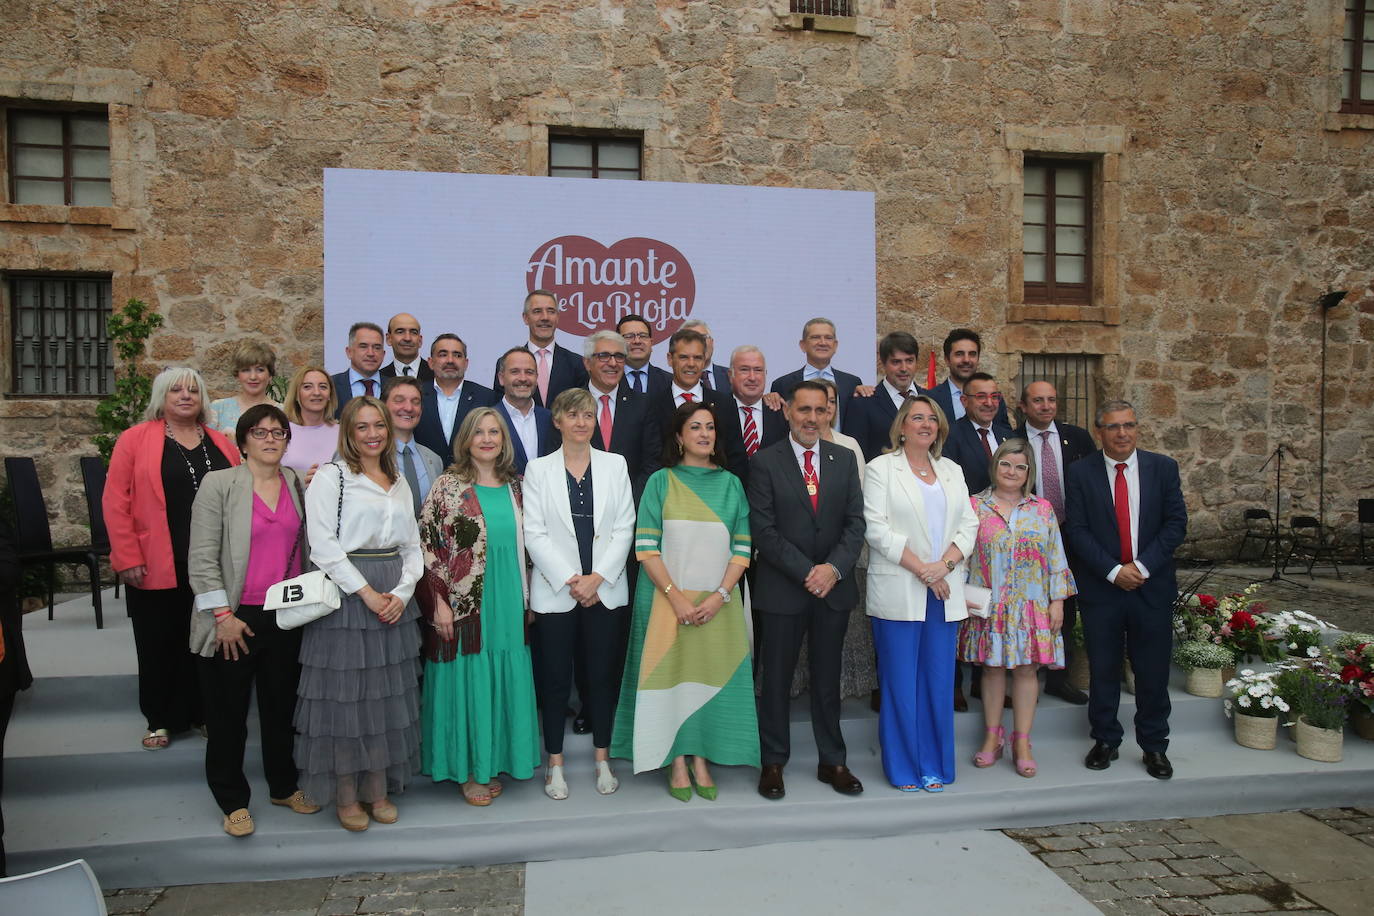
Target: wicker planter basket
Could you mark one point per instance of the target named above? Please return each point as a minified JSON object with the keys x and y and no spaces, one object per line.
{"x":1204,"y":682}
{"x":1258,"y":732}
{"x":1362,"y":720}
{"x":1320,"y":744}
{"x":1080,"y":675}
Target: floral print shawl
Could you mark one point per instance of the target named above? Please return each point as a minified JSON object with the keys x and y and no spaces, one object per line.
{"x":453,"y":537}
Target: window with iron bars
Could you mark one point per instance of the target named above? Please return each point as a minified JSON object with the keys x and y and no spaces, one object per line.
{"x":1074,"y":376}
{"x":823,"y":7}
{"x":59,"y":339}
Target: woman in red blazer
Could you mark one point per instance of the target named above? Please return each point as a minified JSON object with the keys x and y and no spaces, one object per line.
{"x":154,"y":474}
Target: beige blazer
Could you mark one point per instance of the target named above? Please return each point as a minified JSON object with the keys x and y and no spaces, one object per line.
{"x":896,"y":517}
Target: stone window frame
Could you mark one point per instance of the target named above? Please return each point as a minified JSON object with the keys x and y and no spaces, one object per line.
{"x":626,"y":117}
{"x":1338,"y":114}
{"x":860,"y":23}
{"x":1363,"y":18}
{"x":1102,"y":146}
{"x":67,"y":147}
{"x":8,"y":281}
{"x":594,"y":138}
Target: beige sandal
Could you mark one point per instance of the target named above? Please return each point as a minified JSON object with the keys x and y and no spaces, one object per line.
{"x":156,"y":740}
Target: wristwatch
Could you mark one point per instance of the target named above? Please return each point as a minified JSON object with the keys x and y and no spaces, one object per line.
{"x":724,"y":594}
{"x":949,"y":565}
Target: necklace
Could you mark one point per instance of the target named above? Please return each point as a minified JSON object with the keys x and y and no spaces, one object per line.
{"x":182,"y":450}
{"x":923,"y":472}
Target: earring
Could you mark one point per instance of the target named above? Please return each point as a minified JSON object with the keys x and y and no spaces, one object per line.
{"x":901,"y":440}
{"x":679,"y":447}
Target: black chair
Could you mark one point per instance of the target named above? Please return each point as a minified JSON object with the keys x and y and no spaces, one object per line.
{"x":33,"y":537}
{"x":93,"y":482}
{"x":1311,"y":542}
{"x":1366,"y":518}
{"x":1259,"y":526}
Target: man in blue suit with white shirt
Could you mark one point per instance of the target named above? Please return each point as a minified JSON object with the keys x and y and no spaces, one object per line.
{"x":963,"y":351}
{"x":1126,"y":517}
{"x":530,"y":426}
{"x":819,"y":342}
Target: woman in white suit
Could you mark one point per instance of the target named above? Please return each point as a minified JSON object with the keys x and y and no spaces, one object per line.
{"x":920,"y":528}
{"x":579,"y":525}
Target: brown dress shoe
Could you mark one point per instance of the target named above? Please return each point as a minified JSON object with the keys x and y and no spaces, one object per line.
{"x":770,"y":782}
{"x":960,"y":704}
{"x":840,"y":779}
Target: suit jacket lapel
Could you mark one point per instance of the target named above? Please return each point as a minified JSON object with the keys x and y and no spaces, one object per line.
{"x":907,"y":481}
{"x":241,"y":511}
{"x":521,"y":459}
{"x":558,"y":483}
{"x":598,"y":494}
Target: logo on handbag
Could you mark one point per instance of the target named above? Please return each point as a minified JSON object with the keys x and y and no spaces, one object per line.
{"x":292,"y":593}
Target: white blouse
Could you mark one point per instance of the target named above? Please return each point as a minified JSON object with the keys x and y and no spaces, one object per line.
{"x":372,"y":519}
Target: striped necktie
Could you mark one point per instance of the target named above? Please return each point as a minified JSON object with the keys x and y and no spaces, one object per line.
{"x":751,"y":431}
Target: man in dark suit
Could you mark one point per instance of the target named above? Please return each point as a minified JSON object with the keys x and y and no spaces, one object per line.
{"x":445,"y":403}
{"x":760,"y":425}
{"x":365,"y":352}
{"x":530,"y":426}
{"x":975,"y":436}
{"x":963,"y":350}
{"x":557,"y":368}
{"x":404,"y":338}
{"x":714,"y":376}
{"x":819,"y":343}
{"x":870,"y":419}
{"x":1126,"y":517}
{"x":14,"y":664}
{"x":806,"y":516}
{"x":642,"y":376}
{"x":634,"y":432}
{"x":1056,"y":445}
{"x":687,"y":357}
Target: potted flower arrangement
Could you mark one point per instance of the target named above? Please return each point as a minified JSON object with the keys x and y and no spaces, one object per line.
{"x":1295,"y":632}
{"x":1203,"y":661}
{"x":1318,"y":699}
{"x":1255,"y":704}
{"x":1355,"y":653}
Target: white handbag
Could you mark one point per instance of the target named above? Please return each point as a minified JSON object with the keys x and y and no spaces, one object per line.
{"x":978,"y":599}
{"x":309,"y":596}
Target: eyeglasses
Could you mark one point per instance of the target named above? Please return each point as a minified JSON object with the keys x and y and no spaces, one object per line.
{"x":637,"y":335}
{"x":257,"y":432}
{"x":1128,"y":426}
{"x":603,"y":356}
{"x":1008,"y":466}
{"x":987,"y":396}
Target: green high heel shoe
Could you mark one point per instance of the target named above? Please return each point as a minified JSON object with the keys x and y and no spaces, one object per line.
{"x":706,"y":792}
{"x":681,"y":793}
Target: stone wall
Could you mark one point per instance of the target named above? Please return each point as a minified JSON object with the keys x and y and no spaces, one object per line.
{"x":1232,"y":193}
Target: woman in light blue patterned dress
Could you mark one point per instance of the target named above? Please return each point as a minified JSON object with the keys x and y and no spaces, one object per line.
{"x":254,"y":365}
{"x":1020,"y":556}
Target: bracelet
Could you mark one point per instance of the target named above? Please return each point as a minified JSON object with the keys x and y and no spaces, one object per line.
{"x":724,"y":594}
{"x":667,"y":588}
{"x":220,"y":615}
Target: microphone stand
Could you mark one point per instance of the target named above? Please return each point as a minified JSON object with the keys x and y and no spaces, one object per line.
{"x":1277,"y":457}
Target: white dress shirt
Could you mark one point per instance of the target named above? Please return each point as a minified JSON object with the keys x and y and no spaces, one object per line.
{"x":1133,"y":487}
{"x":898,"y":397}
{"x":1037,"y":443}
{"x":992,"y":436}
{"x":372,"y":519}
{"x":401,"y":367}
{"x":695,"y":392}
{"x":756,"y":409}
{"x":448,"y":408}
{"x":800,"y":451}
{"x":525,"y":428}
{"x":597,"y":394}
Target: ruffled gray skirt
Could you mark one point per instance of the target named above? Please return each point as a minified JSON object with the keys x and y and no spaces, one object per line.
{"x":358,"y":708}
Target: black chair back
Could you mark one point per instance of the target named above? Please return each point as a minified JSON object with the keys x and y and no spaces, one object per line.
{"x":31,"y":530}
{"x":1250,"y":514}
{"x":93,"y":481}
{"x":1306,"y":521}
{"x":1366,"y":511}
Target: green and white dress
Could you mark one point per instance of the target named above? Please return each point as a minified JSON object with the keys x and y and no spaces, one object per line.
{"x":689,"y":690}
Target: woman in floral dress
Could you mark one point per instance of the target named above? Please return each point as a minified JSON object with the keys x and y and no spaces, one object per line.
{"x":1020,"y":556}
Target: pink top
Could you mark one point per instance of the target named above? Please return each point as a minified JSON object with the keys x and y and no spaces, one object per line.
{"x":311,"y":445}
{"x":274,"y":535}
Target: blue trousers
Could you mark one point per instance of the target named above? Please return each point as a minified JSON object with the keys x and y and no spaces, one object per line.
{"x":916,"y":675}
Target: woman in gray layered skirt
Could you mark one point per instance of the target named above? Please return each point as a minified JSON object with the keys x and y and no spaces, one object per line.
{"x":357,"y":717}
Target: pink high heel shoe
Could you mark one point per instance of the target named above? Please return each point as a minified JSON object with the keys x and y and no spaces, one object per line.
{"x":985,"y":759}
{"x":1025,"y":766}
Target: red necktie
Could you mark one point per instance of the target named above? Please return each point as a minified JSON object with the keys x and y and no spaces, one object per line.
{"x":688,"y":397}
{"x":813,"y":483}
{"x":605,"y":422}
{"x":1122,"y":495}
{"x":986,"y":447}
{"x":367,"y":387}
{"x":751,"y":432}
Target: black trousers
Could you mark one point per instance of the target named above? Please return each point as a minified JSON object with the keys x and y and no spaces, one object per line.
{"x":780,"y":640}
{"x":272,"y":665}
{"x":168,"y":689}
{"x":591,"y":638}
{"x":1148,"y":636}
{"x":6,"y":708}
{"x":579,"y":675}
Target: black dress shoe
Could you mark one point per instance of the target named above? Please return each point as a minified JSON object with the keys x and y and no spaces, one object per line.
{"x":580,"y":724}
{"x":960,"y":704}
{"x":770,"y":782}
{"x":1066,"y":692}
{"x":1158,"y":765}
{"x":1101,"y":756}
{"x":840,"y":779}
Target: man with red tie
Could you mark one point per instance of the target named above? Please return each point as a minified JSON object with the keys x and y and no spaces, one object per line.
{"x":760,"y":425}
{"x":1126,"y":517}
{"x":624,"y":423}
{"x":687,"y":360}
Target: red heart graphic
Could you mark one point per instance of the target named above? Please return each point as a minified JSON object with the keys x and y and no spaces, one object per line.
{"x":596,"y":286}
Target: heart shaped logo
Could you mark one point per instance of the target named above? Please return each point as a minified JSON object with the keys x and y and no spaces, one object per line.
{"x":596,"y":286}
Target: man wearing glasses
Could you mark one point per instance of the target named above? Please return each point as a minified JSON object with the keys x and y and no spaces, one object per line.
{"x":624,"y":424}
{"x":963,"y":349}
{"x":642,"y":377}
{"x":975,"y":436}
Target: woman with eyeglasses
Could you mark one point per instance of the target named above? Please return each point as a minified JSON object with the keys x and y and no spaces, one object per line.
{"x":1020,"y":556}
{"x":248,"y":533}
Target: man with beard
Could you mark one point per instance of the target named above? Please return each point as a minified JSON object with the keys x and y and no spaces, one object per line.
{"x":445,"y":403}
{"x":963,"y":350}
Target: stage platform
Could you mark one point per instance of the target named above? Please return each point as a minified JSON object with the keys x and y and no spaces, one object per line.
{"x":77,"y":784}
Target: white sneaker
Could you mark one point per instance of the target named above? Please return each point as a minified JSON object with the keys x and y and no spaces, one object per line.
{"x":606,"y":783}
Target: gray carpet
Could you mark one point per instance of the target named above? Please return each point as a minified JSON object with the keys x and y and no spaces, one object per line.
{"x":79,"y":785}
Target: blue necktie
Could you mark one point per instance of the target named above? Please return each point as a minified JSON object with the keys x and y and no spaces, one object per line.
{"x":639,"y":379}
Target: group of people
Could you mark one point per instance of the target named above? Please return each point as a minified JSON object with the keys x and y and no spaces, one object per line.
{"x":661,"y":541}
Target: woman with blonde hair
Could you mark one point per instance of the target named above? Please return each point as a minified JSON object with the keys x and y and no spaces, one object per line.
{"x":478,"y":708}
{"x":254,"y":365}
{"x":358,"y":736}
{"x":310,"y":406}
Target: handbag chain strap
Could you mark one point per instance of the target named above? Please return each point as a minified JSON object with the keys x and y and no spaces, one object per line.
{"x":300,"y":535}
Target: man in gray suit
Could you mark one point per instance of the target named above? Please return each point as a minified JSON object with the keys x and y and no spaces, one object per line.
{"x":417,"y":464}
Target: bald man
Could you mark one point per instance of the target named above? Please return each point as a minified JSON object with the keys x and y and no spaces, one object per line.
{"x":404,"y":338}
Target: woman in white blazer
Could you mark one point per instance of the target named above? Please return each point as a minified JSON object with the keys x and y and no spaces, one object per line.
{"x":920,"y":528}
{"x":579,"y":525}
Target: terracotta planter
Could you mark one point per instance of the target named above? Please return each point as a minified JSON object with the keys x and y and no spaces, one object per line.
{"x":1362,"y":720}
{"x":1258,"y":732}
{"x":1204,"y":682}
{"x":1080,"y":675}
{"x":1320,"y":744}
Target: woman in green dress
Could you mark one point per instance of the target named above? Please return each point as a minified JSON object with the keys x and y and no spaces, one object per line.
{"x":688,"y":688}
{"x":477,"y":714}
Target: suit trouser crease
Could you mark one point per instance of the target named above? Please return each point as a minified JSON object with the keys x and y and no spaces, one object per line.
{"x":916,"y":719}
{"x":272,"y":665}
{"x":168,"y":687}
{"x":591,"y":638}
{"x":780,"y":641}
{"x":1147,"y":634}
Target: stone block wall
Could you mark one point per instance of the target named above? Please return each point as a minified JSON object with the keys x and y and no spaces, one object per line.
{"x":1232,"y":192}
